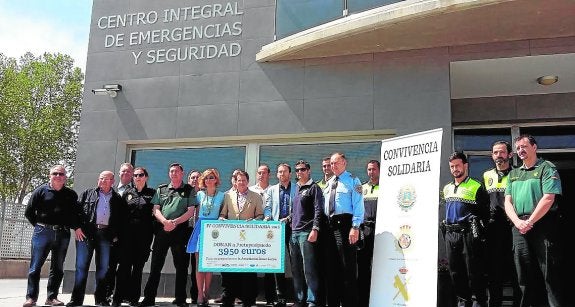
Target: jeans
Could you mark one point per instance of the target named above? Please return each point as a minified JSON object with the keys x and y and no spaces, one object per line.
{"x":45,"y":240}
{"x":100,"y":243}
{"x":304,"y":267}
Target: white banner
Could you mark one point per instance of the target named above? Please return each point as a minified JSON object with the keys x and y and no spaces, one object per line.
{"x":405,"y":256}
{"x":240,"y":246}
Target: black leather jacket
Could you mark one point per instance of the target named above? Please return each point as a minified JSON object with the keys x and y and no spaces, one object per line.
{"x":87,"y":203}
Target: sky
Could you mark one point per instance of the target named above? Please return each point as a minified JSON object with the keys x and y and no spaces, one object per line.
{"x":40,"y":26}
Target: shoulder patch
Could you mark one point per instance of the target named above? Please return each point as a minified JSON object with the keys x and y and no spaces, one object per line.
{"x":359,"y":189}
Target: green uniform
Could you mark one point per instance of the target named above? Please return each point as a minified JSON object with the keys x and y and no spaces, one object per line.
{"x":540,"y":248}
{"x":527,"y":186}
{"x":174,"y":202}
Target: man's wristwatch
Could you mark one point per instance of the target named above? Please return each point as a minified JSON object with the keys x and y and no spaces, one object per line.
{"x":355,"y":227}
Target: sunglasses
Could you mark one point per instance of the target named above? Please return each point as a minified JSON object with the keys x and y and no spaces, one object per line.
{"x":210,"y":178}
{"x":300,"y":170}
{"x":58,"y":174}
{"x":140,"y":175}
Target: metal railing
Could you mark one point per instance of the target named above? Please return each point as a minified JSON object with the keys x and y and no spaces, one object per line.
{"x":293,"y":16}
{"x":15,"y":232}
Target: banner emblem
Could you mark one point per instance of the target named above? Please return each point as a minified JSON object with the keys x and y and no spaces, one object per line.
{"x":406,"y":197}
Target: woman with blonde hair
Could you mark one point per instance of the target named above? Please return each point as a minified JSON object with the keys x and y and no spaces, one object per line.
{"x":209,"y":204}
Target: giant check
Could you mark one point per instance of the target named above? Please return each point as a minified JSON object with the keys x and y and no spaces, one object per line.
{"x":240,"y":246}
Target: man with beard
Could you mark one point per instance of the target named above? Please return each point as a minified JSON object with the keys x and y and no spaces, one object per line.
{"x":531,"y":205}
{"x":466,"y":209}
{"x":499,"y":251}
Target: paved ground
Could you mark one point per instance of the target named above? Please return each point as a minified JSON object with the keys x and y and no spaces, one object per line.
{"x":13,"y":294}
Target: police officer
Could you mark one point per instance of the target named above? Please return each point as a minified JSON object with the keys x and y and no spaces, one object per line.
{"x":466,"y":208}
{"x":173,"y":206}
{"x":344,"y":209}
{"x":531,"y":204}
{"x":365,"y":254}
{"x":499,"y":251}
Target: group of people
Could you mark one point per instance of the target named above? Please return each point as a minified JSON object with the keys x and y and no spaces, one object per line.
{"x":505,"y":229}
{"x":330,"y":228}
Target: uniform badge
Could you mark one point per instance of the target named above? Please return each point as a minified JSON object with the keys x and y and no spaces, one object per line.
{"x":490,"y":181}
{"x":406,"y":197}
{"x":129,"y":197}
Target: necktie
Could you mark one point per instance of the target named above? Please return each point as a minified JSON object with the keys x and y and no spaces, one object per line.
{"x":332,"y":196}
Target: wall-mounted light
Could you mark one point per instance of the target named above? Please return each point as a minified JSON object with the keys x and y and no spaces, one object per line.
{"x":108,"y":89}
{"x":547,"y":80}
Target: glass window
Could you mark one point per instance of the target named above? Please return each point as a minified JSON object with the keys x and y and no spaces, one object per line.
{"x":478,"y":165}
{"x":224,"y":159}
{"x":479,"y":139}
{"x":557,"y":137}
{"x":357,"y":155}
{"x":293,"y":16}
{"x":355,"y":6}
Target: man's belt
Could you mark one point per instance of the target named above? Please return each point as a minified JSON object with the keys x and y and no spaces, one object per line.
{"x":101,"y":226}
{"x":338,"y":219}
{"x":524,"y":216}
{"x":53,"y":227}
{"x":456,"y":227}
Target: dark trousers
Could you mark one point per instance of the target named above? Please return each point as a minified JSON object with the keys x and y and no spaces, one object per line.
{"x":112,"y":269}
{"x":176,"y":241}
{"x":466,"y":258}
{"x":341,"y":258}
{"x":44,"y":241}
{"x":538,"y":253}
{"x":134,"y":251}
{"x":364,"y":261}
{"x":239,"y":285}
{"x":98,"y":242}
{"x":275,"y":285}
{"x":500,"y":265}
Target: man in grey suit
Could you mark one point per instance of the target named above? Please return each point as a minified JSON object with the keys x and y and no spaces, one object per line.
{"x":278,"y":208}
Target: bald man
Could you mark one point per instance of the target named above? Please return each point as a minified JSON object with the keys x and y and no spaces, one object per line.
{"x":100,"y":215}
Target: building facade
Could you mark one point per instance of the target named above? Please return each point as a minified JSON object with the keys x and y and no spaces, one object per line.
{"x":231,"y":84}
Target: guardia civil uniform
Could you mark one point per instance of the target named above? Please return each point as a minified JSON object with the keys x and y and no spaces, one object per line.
{"x":465,"y":252}
{"x":539,"y":248}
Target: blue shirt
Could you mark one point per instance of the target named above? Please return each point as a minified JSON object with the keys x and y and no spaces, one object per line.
{"x":209,"y":205}
{"x":348,"y":197}
{"x":103,"y":208}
